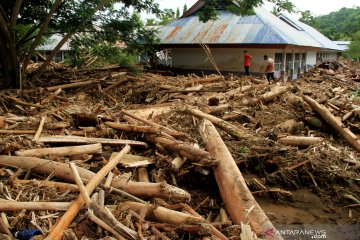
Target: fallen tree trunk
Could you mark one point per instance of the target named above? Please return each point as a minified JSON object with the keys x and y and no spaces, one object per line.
{"x":334,"y":122}
{"x":61,"y":151}
{"x":85,"y":140}
{"x":162,"y":214}
{"x":232,"y":186}
{"x":183,"y":149}
{"x":300,"y":141}
{"x":227,"y":127}
{"x":62,"y":170}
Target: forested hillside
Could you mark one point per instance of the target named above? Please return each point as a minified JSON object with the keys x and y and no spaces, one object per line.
{"x":340,"y":25}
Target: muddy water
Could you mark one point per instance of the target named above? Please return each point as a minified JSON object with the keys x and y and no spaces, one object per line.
{"x":307,"y":211}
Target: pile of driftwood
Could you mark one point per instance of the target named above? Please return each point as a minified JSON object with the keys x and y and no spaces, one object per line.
{"x":106,"y":154}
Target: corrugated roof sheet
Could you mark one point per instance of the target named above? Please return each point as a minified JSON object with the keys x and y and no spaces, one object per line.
{"x":262,"y":28}
{"x":51,"y":43}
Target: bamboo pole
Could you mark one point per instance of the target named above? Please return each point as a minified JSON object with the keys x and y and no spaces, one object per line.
{"x":334,"y":122}
{"x":57,"y":232}
{"x":232,"y":186}
{"x":61,"y":151}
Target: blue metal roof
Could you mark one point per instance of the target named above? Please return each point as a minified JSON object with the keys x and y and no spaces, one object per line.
{"x":262,"y":28}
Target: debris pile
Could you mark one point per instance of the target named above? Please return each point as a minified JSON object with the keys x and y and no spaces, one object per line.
{"x":107,"y":154}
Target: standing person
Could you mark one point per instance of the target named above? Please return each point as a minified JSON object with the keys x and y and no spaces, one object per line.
{"x":247,"y":62}
{"x":269,"y":68}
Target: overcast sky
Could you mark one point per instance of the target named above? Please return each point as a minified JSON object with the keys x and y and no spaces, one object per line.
{"x":317,"y":7}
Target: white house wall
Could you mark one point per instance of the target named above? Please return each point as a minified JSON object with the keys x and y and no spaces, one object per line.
{"x":311,"y":58}
{"x":227,"y":59}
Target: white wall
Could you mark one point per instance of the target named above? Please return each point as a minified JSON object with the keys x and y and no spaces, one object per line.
{"x":227,"y":59}
{"x":311,"y":58}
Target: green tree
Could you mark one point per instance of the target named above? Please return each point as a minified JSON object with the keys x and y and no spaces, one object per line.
{"x":25,"y":24}
{"x":209,"y":12}
{"x":167,"y":16}
{"x":338,"y":25}
{"x":354,"y":47}
{"x":185,"y":8}
{"x":308,"y":18}
{"x":177,"y":12}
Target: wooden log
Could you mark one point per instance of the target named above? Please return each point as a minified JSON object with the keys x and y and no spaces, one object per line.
{"x":203,"y":80}
{"x":85,"y":140}
{"x":39,"y":130}
{"x":21,"y":102}
{"x":62,"y":170}
{"x":143,"y":175}
{"x":58,"y":185}
{"x":186,"y":150}
{"x":334,"y":122}
{"x":56,"y":233}
{"x":104,"y":225}
{"x":136,"y":128}
{"x":177,"y":162}
{"x":232,"y":186}
{"x":274,"y":93}
{"x":227,"y":127}
{"x":108,"y":218}
{"x":4,"y":228}
{"x":300,"y":141}
{"x":61,"y":151}
{"x":17,"y":132}
{"x":10,"y":206}
{"x":162,"y":214}
{"x":161,"y":128}
{"x":116,"y":84}
{"x":72,"y":85}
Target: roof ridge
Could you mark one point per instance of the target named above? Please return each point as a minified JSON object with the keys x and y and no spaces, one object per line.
{"x":271,"y":29}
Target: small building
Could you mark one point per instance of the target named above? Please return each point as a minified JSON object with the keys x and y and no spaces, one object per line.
{"x":46,"y":49}
{"x":292,"y":44}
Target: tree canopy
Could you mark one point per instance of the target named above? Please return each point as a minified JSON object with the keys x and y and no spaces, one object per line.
{"x":339,"y":25}
{"x":25,"y":24}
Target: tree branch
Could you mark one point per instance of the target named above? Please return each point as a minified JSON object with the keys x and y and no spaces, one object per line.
{"x":42,"y":68}
{"x":43,"y":28}
{"x":15,"y":13}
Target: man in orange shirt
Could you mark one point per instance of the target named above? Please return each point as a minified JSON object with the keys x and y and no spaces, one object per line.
{"x":269,"y":68}
{"x":247,"y":62}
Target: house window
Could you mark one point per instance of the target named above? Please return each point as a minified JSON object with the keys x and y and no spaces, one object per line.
{"x":58,"y":57}
{"x":289,"y":59}
{"x":303,"y":62}
{"x":278,"y":61}
{"x":297,"y":61}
